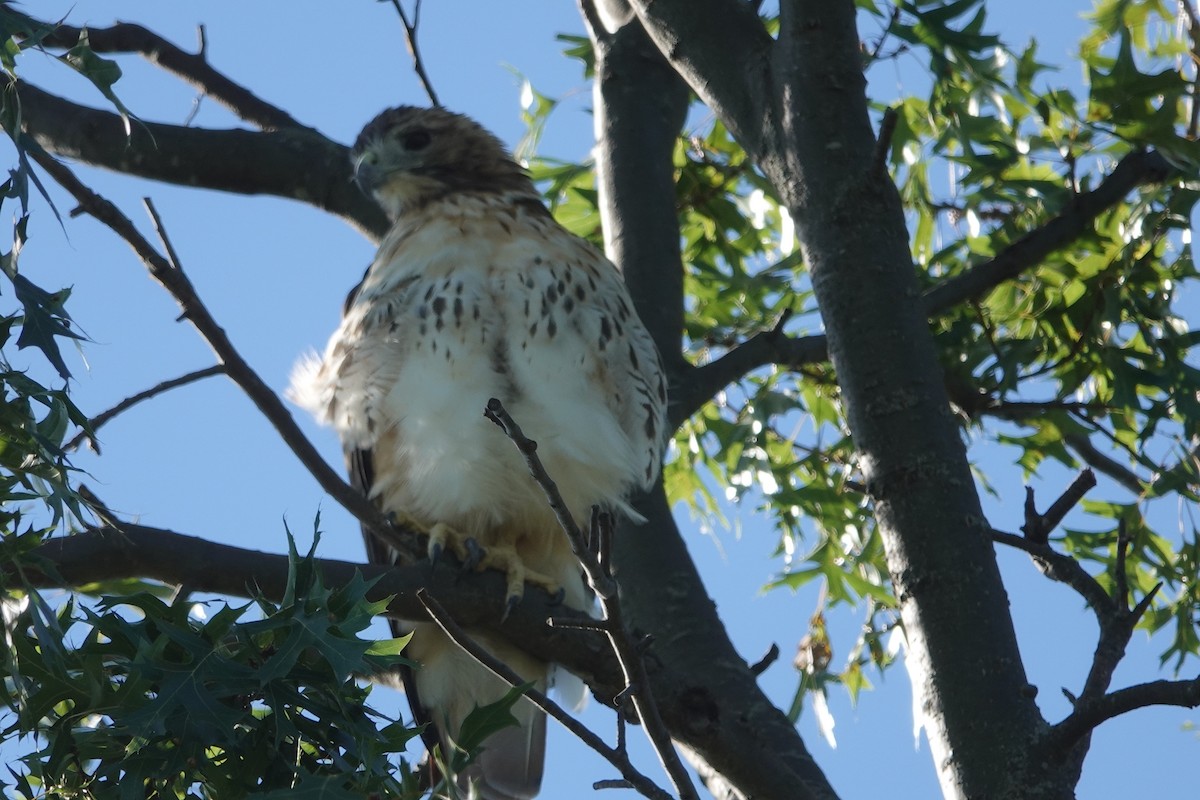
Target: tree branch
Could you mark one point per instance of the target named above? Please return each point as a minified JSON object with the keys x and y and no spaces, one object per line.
{"x":127,"y":37}
{"x":1061,"y":568}
{"x":298,"y":164}
{"x":1098,"y":461}
{"x":713,"y":706}
{"x":137,"y":551}
{"x":1134,"y":170}
{"x":107,"y":416}
{"x":1113,"y":614}
{"x":698,"y":385}
{"x":722,"y":50}
{"x":1088,"y":715}
{"x":640,"y":101}
{"x":1038,"y":526}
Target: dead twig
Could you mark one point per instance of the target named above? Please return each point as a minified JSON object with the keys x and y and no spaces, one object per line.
{"x":627,"y":650}
{"x":617,"y":756}
{"x":126,"y":37}
{"x":410,"y":37}
{"x":1037,"y":526}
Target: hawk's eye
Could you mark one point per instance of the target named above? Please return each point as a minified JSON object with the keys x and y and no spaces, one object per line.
{"x":415,"y":140}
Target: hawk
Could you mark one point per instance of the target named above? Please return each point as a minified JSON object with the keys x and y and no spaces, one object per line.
{"x":476,"y":292}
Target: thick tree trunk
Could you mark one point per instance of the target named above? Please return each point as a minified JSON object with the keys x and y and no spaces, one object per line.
{"x":798,"y":105}
{"x":712,"y":701}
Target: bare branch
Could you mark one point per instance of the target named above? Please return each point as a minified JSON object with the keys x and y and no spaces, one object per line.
{"x":614,"y":755}
{"x":194,"y":310}
{"x":602,"y":584}
{"x":127,"y":37}
{"x":410,"y":38}
{"x":1038,"y":526}
{"x":700,"y":384}
{"x":98,"y":421}
{"x":1088,"y":714}
{"x":1061,"y":568}
{"x":136,"y":551}
{"x":1113,"y":614}
{"x":628,"y":653}
{"x":298,"y":164}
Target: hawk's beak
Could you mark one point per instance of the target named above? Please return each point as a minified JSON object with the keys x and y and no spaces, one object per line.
{"x":367,"y":176}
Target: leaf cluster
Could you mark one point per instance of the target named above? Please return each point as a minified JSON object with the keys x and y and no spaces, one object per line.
{"x":137,"y":697}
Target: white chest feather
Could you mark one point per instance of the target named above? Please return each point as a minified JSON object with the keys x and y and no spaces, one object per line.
{"x":474,"y":303}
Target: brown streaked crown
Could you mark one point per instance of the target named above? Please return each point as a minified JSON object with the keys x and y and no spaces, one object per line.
{"x":408,"y":155}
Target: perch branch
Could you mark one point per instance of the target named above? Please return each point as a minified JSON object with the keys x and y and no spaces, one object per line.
{"x":614,"y":755}
{"x":628,"y":653}
{"x":104,"y":417}
{"x":127,"y":550}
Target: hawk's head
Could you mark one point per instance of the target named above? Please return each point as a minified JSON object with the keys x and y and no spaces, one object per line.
{"x":408,"y":155}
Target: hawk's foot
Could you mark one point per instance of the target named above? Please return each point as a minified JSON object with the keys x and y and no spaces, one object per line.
{"x":401,"y":519}
{"x":500,"y":557}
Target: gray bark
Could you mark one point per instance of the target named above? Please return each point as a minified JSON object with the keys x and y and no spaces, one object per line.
{"x":709,"y":697}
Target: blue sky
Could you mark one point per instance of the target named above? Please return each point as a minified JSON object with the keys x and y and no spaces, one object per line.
{"x":274,"y":272}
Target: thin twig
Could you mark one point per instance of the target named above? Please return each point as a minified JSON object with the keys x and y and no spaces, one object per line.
{"x":601,"y":583}
{"x":1085,"y":481}
{"x":106,"y":416}
{"x":126,"y":37}
{"x":1120,"y":578}
{"x":172,"y":256}
{"x":628,"y":651}
{"x":410,"y":37}
{"x":887,"y":127}
{"x":769,"y":658}
{"x":194,"y":310}
{"x":617,"y":757}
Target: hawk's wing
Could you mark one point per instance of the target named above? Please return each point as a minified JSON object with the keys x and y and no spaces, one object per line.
{"x":361,"y":473}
